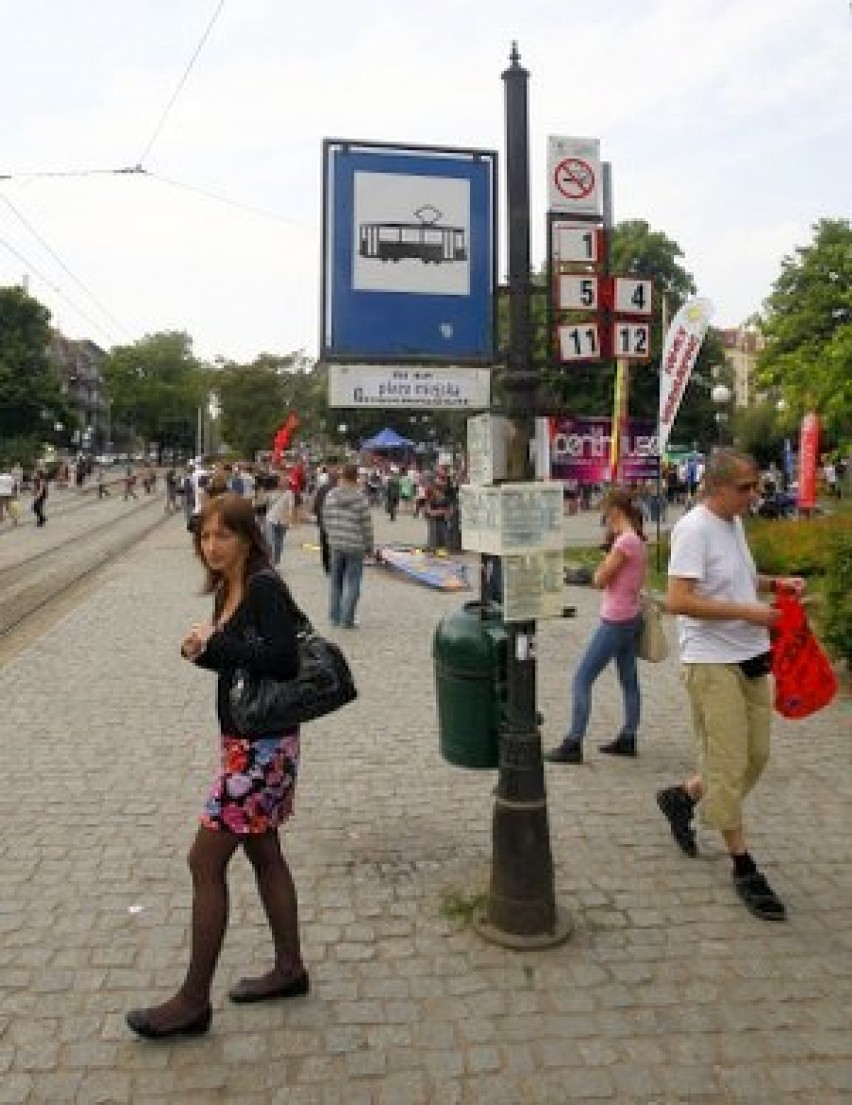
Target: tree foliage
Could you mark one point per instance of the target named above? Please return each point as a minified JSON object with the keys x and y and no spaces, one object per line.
{"x":807,"y":324}
{"x":255,"y":401}
{"x":30,"y":395}
{"x":156,"y":386}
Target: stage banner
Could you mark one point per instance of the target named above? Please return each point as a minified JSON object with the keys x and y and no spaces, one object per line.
{"x":580,"y":450}
{"x":808,"y":453}
{"x":680,"y":350}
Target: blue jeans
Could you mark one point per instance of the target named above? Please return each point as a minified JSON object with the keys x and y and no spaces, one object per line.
{"x":345,"y":586}
{"x":610,"y":641}
{"x":277,"y":533}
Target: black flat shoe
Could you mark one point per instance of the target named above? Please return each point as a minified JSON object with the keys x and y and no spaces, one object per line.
{"x":565,"y":754}
{"x":619,"y":747}
{"x":140,"y":1021}
{"x":249,"y":990}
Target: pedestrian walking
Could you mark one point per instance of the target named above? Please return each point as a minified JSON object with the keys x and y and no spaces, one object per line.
{"x":199,"y":479}
{"x":171,"y":490}
{"x":253,"y":629}
{"x":723,"y":633}
{"x":279,"y":518}
{"x":392,"y":494}
{"x":129,"y":484}
{"x":103,"y":490}
{"x":347,"y":520}
{"x":621,"y":576}
{"x":319,"y":501}
{"x":438,"y":509}
{"x":7,"y":492}
{"x":40,"y":488}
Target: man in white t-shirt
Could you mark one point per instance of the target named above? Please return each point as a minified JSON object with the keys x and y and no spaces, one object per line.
{"x":723,"y":633}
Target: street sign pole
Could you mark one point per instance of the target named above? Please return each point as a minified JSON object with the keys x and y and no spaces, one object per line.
{"x":521,"y":910}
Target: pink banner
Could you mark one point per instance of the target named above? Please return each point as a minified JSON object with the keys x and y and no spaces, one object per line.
{"x":808,"y":453}
{"x":580,"y":450}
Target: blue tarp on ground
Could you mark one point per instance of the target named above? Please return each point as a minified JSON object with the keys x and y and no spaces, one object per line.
{"x":387,"y":439}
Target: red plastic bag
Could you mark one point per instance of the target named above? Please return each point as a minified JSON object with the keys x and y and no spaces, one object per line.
{"x":804,"y":678}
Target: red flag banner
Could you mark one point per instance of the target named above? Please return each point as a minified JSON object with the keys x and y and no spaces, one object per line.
{"x":283,"y":436}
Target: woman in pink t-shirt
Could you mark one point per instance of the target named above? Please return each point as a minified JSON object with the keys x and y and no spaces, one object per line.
{"x":621,"y":577}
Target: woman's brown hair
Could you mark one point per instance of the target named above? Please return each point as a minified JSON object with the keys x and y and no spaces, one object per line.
{"x":625,"y":501}
{"x":237,"y":515}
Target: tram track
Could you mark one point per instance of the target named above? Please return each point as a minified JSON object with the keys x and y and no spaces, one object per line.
{"x":29,"y":588}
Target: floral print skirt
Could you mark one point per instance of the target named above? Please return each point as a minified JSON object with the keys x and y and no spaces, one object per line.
{"x":254,"y":791}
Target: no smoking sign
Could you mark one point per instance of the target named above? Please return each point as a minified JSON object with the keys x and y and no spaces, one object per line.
{"x":574,"y":178}
{"x":574,"y":183}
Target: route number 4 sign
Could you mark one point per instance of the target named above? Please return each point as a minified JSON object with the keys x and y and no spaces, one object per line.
{"x":632,"y":297}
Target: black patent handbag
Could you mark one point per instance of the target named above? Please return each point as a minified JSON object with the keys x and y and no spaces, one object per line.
{"x":264,"y":706}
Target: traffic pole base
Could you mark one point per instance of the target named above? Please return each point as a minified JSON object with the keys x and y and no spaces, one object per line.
{"x":520,"y":942}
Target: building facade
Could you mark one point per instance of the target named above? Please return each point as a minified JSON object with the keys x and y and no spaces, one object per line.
{"x":742,"y":344}
{"x":79,"y":364}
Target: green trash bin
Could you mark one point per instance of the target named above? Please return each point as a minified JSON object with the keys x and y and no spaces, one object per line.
{"x":470,"y":657}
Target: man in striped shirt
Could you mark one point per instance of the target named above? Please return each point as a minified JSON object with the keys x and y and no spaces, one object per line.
{"x":348,"y":524}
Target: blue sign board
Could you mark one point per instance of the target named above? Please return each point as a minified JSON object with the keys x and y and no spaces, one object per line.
{"x":408,"y":254}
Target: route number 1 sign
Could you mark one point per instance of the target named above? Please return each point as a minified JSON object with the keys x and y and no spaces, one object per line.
{"x":577,"y":243}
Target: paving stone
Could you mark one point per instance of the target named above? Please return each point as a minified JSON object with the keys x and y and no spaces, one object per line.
{"x":668,"y":991}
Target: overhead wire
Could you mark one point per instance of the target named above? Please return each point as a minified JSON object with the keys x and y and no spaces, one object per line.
{"x":167,"y":110}
{"x":71,"y":172}
{"x":138,"y":170}
{"x":238,"y":204}
{"x":46,"y":245}
{"x":55,"y":288}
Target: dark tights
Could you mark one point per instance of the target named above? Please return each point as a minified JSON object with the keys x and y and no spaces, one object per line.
{"x":208,"y":859}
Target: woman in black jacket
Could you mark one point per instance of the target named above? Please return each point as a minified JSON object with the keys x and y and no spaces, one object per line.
{"x":253,"y":628}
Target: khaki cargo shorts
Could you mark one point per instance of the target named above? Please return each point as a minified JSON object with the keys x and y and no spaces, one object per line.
{"x":731,"y":715}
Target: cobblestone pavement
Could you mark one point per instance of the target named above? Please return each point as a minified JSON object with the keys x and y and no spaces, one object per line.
{"x":668,"y":991}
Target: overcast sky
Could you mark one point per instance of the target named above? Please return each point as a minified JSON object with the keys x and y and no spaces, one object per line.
{"x":728,"y":124}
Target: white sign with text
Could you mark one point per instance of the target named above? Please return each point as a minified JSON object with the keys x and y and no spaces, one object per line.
{"x":415,"y":386}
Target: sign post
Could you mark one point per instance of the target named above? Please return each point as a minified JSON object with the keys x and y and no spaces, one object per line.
{"x":521,"y":909}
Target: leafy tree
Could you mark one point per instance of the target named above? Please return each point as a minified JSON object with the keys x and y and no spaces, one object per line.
{"x":31,"y":400}
{"x":254,"y":400}
{"x":156,"y":386}
{"x":807,"y":324}
{"x":760,"y":431}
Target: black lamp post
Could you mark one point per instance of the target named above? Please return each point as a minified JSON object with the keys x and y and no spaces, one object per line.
{"x":521,"y":910}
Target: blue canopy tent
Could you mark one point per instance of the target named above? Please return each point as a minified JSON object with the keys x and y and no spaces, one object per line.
{"x":386,"y":439}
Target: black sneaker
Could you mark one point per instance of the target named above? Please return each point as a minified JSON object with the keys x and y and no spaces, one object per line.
{"x":678,"y":808}
{"x":621,"y":746}
{"x":565,"y":754}
{"x":759,"y":897}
